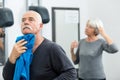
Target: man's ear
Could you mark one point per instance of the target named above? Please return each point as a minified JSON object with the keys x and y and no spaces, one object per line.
{"x":41,"y":25}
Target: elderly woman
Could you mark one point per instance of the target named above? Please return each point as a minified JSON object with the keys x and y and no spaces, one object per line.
{"x":90,"y":49}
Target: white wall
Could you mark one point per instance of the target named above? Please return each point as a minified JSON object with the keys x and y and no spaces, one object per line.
{"x":12,"y":32}
{"x":107,"y":10}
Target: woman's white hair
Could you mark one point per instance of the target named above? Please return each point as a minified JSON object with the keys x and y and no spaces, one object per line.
{"x":95,"y":23}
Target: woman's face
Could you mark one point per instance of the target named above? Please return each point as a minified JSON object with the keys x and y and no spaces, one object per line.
{"x":89,"y":30}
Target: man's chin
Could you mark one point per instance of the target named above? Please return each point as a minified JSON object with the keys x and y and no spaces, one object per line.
{"x":27,"y":33}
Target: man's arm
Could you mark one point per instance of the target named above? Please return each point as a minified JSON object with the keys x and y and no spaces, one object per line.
{"x":62,"y":65}
{"x":8,"y":70}
{"x":67,"y":75}
{"x":18,"y":49}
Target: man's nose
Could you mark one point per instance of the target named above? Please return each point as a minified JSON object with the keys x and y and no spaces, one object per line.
{"x":26,"y":22}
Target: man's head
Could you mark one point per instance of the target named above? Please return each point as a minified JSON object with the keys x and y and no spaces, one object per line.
{"x":31,"y":22}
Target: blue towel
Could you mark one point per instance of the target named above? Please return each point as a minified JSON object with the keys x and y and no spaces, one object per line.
{"x":22,"y":68}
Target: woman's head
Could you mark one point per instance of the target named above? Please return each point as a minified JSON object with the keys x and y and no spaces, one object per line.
{"x":92,"y":27}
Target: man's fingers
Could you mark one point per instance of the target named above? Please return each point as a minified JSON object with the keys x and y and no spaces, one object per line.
{"x":21,"y":42}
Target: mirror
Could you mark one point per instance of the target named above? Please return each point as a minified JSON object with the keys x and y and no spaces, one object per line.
{"x":32,"y":3}
{"x":2,"y":40}
{"x":65,"y":27}
{"x":1,"y":3}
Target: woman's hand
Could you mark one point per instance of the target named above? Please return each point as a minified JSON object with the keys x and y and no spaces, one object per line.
{"x":104,"y":35}
{"x":101,"y":30}
{"x":74,"y":44}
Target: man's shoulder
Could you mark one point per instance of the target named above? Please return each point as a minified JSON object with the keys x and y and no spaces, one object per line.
{"x":50,"y":44}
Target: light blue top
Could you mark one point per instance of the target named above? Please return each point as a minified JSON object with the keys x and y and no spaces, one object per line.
{"x":89,"y":57}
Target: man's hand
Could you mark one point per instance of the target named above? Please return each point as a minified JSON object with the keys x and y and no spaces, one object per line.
{"x":17,"y":50}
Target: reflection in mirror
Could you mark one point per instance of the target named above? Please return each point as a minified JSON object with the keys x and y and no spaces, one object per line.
{"x":32,"y":3}
{"x":65,"y":23}
{"x":2,"y":39}
{"x":2,"y":52}
{"x":1,"y":3}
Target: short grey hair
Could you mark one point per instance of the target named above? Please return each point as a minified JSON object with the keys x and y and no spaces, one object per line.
{"x":95,"y":23}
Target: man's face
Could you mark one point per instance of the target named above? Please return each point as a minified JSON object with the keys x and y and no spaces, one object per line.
{"x":30,"y":23}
